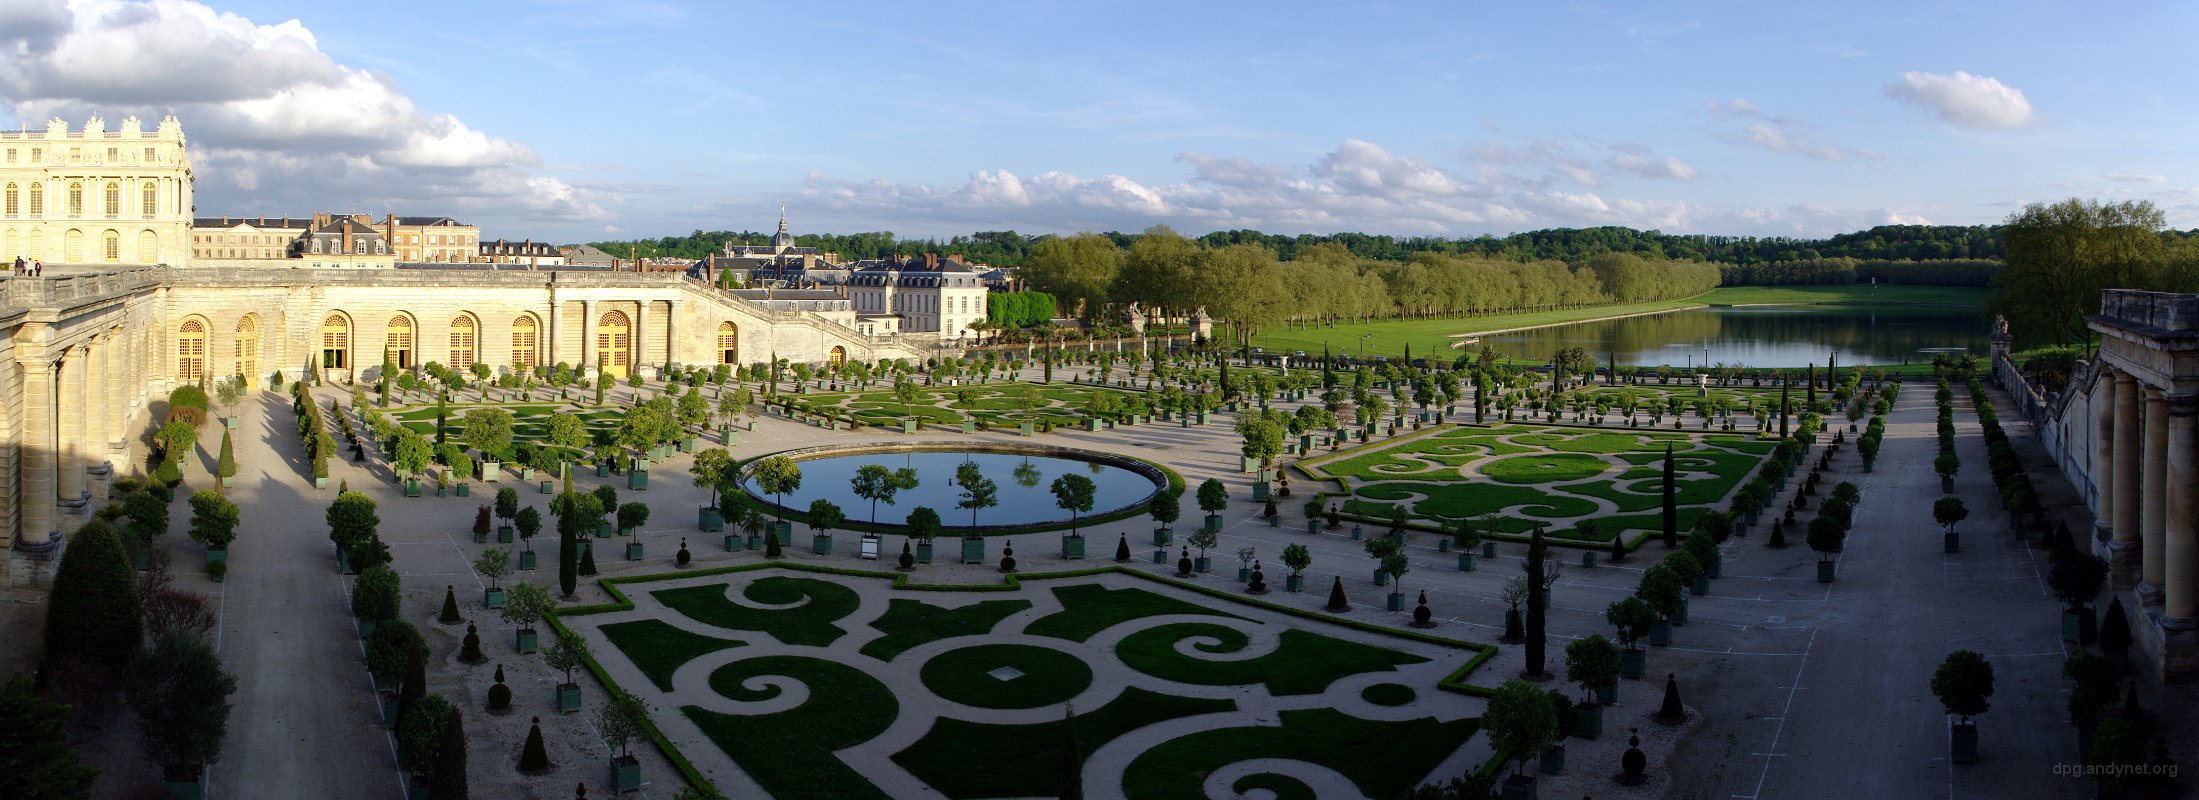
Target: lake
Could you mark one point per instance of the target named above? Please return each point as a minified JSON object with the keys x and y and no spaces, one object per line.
{"x":1762,"y":336}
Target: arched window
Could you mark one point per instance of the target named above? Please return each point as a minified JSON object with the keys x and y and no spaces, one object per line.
{"x":13,"y":247}
{"x":149,"y":199}
{"x":399,"y":342}
{"x":248,"y":346}
{"x":113,"y":198}
{"x":13,"y":209}
{"x":729,"y":343}
{"x":148,"y":247}
{"x":523,"y":342}
{"x":38,"y":244}
{"x":76,"y":199}
{"x":614,"y":342}
{"x":110,"y":246}
{"x":191,"y":351}
{"x":72,"y":246}
{"x":839,"y":356}
{"x":336,"y":342}
{"x":462,"y":343}
{"x":38,"y":199}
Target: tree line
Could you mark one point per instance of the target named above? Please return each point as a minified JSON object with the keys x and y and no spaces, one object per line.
{"x":1249,"y":285}
{"x":2062,"y":255}
{"x":1949,"y":272}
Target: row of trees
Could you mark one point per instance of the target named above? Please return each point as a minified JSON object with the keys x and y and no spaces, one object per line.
{"x":1946,"y":272}
{"x":2061,"y":255}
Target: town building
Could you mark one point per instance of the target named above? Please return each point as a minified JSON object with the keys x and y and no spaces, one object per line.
{"x":432,"y":240}
{"x":531,"y":253}
{"x":939,"y":297}
{"x":245,"y":239}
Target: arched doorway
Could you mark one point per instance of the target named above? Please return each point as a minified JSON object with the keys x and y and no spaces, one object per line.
{"x":248,"y":346}
{"x":336,"y":342}
{"x":148,"y":247}
{"x":614,"y":344}
{"x":729,"y":343}
{"x":399,"y":342}
{"x":191,"y":351}
{"x":523,"y":342}
{"x":839,"y":356}
{"x":462,"y":341}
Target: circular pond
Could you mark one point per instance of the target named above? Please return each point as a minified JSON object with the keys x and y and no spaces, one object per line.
{"x":1022,"y":476}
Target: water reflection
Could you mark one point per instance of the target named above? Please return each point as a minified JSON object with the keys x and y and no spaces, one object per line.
{"x":1785,"y":336}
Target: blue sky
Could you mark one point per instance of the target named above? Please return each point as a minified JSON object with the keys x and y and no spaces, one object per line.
{"x":579,"y":121}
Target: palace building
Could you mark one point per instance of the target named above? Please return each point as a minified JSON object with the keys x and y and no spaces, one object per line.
{"x":141,"y":298}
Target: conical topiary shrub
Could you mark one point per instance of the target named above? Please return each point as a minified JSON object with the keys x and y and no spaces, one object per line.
{"x":1671,"y":713}
{"x":500,"y":695}
{"x":450,"y":606}
{"x":226,"y":465}
{"x":1337,"y":603}
{"x":1618,"y":548}
{"x":587,"y":561}
{"x":532,"y":757}
{"x":470,"y":650}
{"x":1122,"y":549}
{"x":771,"y":545}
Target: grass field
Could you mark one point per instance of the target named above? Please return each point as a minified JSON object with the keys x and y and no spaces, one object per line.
{"x":1434,"y":335}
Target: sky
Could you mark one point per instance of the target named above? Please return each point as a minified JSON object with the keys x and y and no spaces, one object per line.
{"x":579,"y":121}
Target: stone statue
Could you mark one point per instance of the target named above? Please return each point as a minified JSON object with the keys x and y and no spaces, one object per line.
{"x":1134,"y":317}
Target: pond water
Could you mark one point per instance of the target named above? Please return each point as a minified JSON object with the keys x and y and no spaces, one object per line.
{"x":1762,"y":336}
{"x":1025,"y":486}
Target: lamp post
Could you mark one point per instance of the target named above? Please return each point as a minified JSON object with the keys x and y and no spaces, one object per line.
{"x":1362,"y":352}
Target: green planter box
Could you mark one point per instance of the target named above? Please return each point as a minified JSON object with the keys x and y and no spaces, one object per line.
{"x":1025,"y":428}
{"x":526,"y":559}
{"x":923,"y":552}
{"x":1294,"y":583}
{"x":188,"y":783}
{"x":504,"y":534}
{"x":1962,"y":743}
{"x":442,"y":490}
{"x":1660,"y":634}
{"x":1201,"y":564}
{"x":969,"y":426}
{"x":1092,"y":425}
{"x":1259,"y":491}
{"x":732,"y":542}
{"x":527,"y":641}
{"x":626,"y":774}
{"x":1825,"y":571}
{"x":908,"y":426}
{"x":709,"y":519}
{"x":480,"y":537}
{"x":492,"y":598}
{"x":1381,"y":578}
{"x":228,"y":481}
{"x":1395,"y":601}
{"x":633,"y":551}
{"x":1468,"y":561}
{"x":546,"y":488}
{"x":1488,"y":549}
{"x":490,"y":470}
{"x":1162,"y":536}
{"x":1072,"y":546}
{"x":1588,"y":559}
{"x":216,"y":556}
{"x":785,"y":532}
{"x":568,"y":697}
{"x":603,"y":470}
{"x":412,"y":488}
{"x":1214,"y":522}
{"x":690,"y":444}
{"x":1632,"y":663}
{"x":603,"y":529}
{"x":637,"y":480}
{"x":1701,"y":587}
{"x":1160,"y":555}
{"x":320,"y":483}
{"x":973,"y":550}
{"x":820,"y":544}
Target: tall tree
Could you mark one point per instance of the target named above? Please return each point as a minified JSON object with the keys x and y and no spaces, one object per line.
{"x":1670,"y":503}
{"x":2060,"y":255}
{"x":1077,"y":270}
{"x":92,"y":614}
{"x":35,"y":760}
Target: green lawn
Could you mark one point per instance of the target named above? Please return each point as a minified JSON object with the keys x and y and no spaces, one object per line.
{"x":967,"y":676}
{"x":810,"y":623}
{"x":909,"y":623}
{"x":659,"y":648}
{"x":1383,"y":759}
{"x":1302,"y":663}
{"x":1434,"y":335}
{"x":1025,"y":760}
{"x":790,"y":753}
{"x":1088,"y":608}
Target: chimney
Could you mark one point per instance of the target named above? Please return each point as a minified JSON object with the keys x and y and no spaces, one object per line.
{"x":931,"y":260}
{"x":347,"y":239}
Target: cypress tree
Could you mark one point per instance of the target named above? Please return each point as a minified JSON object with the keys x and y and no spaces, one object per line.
{"x":226,"y":465}
{"x":1809,"y":380}
{"x":449,"y":780}
{"x":1671,"y":503}
{"x":1784,"y":406}
{"x":1537,"y":610}
{"x":92,"y":613}
{"x":567,"y":546}
{"x":532,"y":756}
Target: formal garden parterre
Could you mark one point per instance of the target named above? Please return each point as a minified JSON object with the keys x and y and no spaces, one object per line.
{"x":809,"y":682}
{"x":1515,"y":478}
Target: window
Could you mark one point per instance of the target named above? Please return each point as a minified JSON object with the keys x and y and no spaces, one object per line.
{"x":335,"y":342}
{"x":76,"y":199}
{"x":149,"y":200}
{"x":38,"y":154}
{"x":113,"y":197}
{"x":523,"y":342}
{"x":399,"y":341}
{"x":110,"y":246}
{"x":72,"y":246}
{"x":11,"y":200}
{"x":151,"y":156}
{"x":148,"y":249}
{"x":38,"y":245}
{"x":729,"y":349}
{"x":11,"y":155}
{"x":38,"y":199}
{"x":248,"y":346}
{"x":461,"y":343}
{"x":614,"y":341}
{"x":191,"y":351}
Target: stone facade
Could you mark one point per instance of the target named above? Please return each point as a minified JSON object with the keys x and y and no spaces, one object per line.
{"x":95,"y":196}
{"x":940,"y":298}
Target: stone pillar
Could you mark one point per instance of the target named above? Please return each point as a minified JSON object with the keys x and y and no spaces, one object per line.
{"x":588,"y":337}
{"x":641,"y":326}
{"x":2182,"y":517}
{"x":2153,"y":500}
{"x":121,"y":392}
{"x":2123,"y":550}
{"x":671,"y":332}
{"x":37,"y":455}
{"x":550,"y":347}
{"x":2103,"y":461}
{"x":69,"y":427}
{"x":94,"y":411}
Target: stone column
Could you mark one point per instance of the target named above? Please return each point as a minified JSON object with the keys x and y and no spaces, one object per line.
{"x":2153,"y":509}
{"x":551,"y":320}
{"x":2123,"y":550}
{"x":94,"y":411}
{"x":120,"y":393}
{"x":69,"y":427}
{"x":641,"y":317}
{"x":37,"y":455}
{"x":671,"y":332}
{"x":588,"y":337}
{"x":2182,"y":516}
{"x":2103,"y":461}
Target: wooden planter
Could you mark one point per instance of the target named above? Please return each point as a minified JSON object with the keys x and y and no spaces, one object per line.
{"x":527,"y":641}
{"x":634,"y":550}
{"x":492,"y":598}
{"x":973,"y":550}
{"x":820,"y":544}
{"x":923,"y":552}
{"x":526,"y":559}
{"x":1072,"y":546}
{"x":568,"y":697}
{"x":1632,"y":663}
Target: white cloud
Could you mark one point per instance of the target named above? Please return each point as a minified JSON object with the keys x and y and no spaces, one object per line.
{"x":1974,"y":101}
{"x":277,"y":126}
{"x":1359,"y":186}
{"x":1781,"y":134}
{"x":2135,"y":177}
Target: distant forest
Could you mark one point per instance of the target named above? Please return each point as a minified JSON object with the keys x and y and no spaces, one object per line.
{"x":1950,"y":255}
